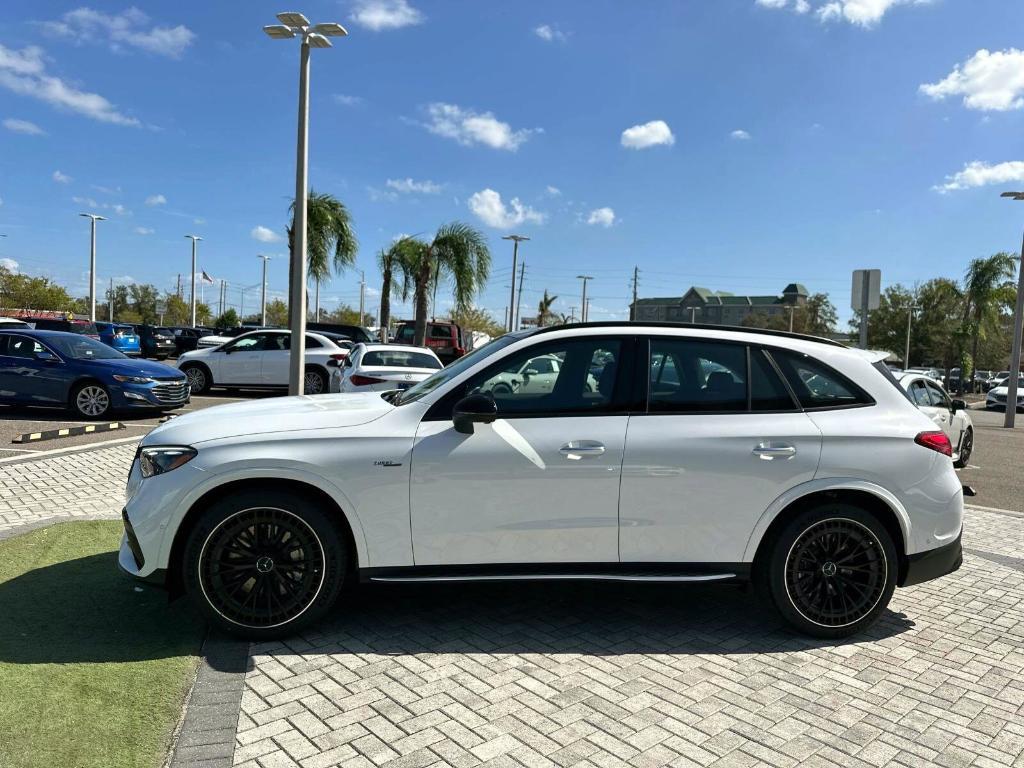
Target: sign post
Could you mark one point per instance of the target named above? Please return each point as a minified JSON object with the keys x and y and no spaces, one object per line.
{"x":865,"y":296}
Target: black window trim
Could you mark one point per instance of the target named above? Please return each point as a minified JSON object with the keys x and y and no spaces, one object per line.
{"x":853,"y":386}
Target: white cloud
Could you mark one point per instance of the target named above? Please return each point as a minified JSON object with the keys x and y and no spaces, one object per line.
{"x":648,"y":135}
{"x":603,"y":217}
{"x":863,"y":13}
{"x":23,"y":126}
{"x":987,"y":81}
{"x":106,"y":190}
{"x":379,"y":15}
{"x":772,"y":3}
{"x":468,"y":127}
{"x":144,"y":231}
{"x":156,"y":200}
{"x":86,"y":201}
{"x":980,"y":174}
{"x":24,"y":72}
{"x":801,"y":6}
{"x":9,"y":264}
{"x":348,"y":100}
{"x":265,"y":235}
{"x":62,"y":178}
{"x":488,"y":206}
{"x":740,"y":135}
{"x":409,"y":186}
{"x":119,"y":209}
{"x":550,"y":33}
{"x":553,"y":191}
{"x":128,"y":28}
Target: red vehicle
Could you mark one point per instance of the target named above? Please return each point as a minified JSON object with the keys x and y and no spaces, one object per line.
{"x":444,"y":339}
{"x":49,"y":320}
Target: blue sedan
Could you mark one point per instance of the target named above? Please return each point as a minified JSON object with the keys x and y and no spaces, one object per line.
{"x":90,"y":378}
{"x":121,"y":337}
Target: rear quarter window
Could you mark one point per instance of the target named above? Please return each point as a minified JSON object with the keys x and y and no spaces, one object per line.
{"x":816,"y":385}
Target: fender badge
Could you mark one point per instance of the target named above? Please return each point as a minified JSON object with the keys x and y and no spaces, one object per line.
{"x":385,"y":463}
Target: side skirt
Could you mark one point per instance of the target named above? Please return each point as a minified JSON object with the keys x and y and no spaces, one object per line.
{"x":715,"y":573}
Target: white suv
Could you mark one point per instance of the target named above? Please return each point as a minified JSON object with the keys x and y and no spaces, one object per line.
{"x":700,"y":455}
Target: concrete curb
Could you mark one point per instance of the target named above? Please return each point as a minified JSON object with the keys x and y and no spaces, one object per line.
{"x":207,"y":735}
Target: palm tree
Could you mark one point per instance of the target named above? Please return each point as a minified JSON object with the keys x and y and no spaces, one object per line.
{"x":328,"y":228}
{"x":544,"y":309}
{"x":396,"y":267}
{"x":987,"y":288}
{"x":458,"y":253}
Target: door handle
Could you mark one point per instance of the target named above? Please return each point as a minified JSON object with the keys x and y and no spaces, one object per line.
{"x":771,"y":451}
{"x":578,"y":449}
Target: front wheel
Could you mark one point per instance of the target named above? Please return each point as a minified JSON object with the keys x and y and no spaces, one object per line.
{"x":90,"y":400}
{"x":198,"y":378}
{"x":966,"y":448}
{"x":263,"y":564}
{"x":832,"y":571}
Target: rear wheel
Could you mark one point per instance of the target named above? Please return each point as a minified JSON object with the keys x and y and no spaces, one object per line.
{"x":832,"y":570}
{"x":199,"y":379}
{"x":314,"y":382}
{"x":966,"y":448}
{"x":264,"y":563}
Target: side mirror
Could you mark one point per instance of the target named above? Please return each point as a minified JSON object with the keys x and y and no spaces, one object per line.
{"x":47,"y":357}
{"x":959,"y":405}
{"x":471,"y":409}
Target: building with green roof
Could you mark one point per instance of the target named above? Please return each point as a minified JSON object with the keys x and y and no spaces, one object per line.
{"x":699,"y":305}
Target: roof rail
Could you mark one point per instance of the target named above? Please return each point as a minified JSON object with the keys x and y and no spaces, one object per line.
{"x":694,"y":326}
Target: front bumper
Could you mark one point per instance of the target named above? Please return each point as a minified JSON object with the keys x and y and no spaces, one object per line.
{"x":130,"y":558}
{"x":925,"y":566}
{"x":161,"y":394}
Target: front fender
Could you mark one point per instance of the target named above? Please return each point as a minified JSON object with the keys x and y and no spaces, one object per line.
{"x":817,"y":486}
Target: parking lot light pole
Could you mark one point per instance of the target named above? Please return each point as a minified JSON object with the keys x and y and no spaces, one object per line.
{"x":313,"y":36}
{"x":192,"y":295}
{"x":93,"y":217}
{"x":263,"y":293}
{"x":906,"y":353}
{"x":584,"y":313}
{"x":1018,"y":332}
{"x":516,"y":240}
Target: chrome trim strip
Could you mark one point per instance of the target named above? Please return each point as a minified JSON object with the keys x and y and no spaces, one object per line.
{"x":560,"y":577}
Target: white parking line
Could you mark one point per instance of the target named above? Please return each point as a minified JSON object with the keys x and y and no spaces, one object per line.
{"x":72,"y":449}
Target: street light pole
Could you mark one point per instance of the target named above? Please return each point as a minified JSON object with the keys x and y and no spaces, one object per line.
{"x":192,"y":294}
{"x":1018,"y":333}
{"x":263,"y":293}
{"x":516,"y":240}
{"x":315,"y":36}
{"x":906,"y":353}
{"x":93,"y":218}
{"x":584,"y":313}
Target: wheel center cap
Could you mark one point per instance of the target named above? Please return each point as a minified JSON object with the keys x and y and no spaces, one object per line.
{"x":829,"y":568}
{"x":265,"y":564}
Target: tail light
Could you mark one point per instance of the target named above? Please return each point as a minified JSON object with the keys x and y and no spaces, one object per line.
{"x":362,"y":381}
{"x":936,"y":441}
{"x":339,"y":357}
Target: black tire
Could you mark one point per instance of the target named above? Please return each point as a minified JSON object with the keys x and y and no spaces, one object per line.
{"x":199,"y":378}
{"x":314,"y":382}
{"x":239,"y":551}
{"x":832,"y":570}
{"x":501,"y":389}
{"x":966,"y":449}
{"x":90,"y":400}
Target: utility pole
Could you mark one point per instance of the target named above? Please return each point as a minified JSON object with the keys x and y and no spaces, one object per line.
{"x":516,"y":240}
{"x":263,"y":293}
{"x":519,"y":307}
{"x":792,"y":310}
{"x":906,"y":349}
{"x":693,"y":315}
{"x":572,"y":314}
{"x":110,"y":301}
{"x":93,"y":218}
{"x":506,"y":317}
{"x":583,"y":302}
{"x":316,"y":303}
{"x":362,"y":294}
{"x":179,"y":285}
{"x":632,"y":307}
{"x":192,"y":300}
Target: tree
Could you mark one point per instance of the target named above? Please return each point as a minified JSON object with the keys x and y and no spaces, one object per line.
{"x":328,"y":229}
{"x":227,"y":320}
{"x":18,"y":291}
{"x":277,"y":312}
{"x":988,"y":289}
{"x":459,"y":254}
{"x":396,"y":265}
{"x":344,"y":315}
{"x":544,"y":315}
{"x":143,"y":302}
{"x":480,"y":320}
{"x":817,"y":317}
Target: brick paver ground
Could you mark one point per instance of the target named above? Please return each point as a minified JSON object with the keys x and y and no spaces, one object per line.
{"x":614,"y":675}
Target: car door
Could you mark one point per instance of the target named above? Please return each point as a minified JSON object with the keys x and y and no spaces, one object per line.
{"x":31,"y":373}
{"x":942,"y":407}
{"x":920,"y":393}
{"x":538,"y":485}
{"x":240,"y":362}
{"x":719,"y":439}
{"x":275,"y":359}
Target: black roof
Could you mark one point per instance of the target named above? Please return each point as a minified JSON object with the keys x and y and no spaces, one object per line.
{"x":694,"y":326}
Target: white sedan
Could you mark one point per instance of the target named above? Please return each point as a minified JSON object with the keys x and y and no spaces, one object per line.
{"x":259,"y":359}
{"x":950,"y":415}
{"x":382,"y":367}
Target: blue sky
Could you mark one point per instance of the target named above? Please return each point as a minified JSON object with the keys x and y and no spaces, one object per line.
{"x":735,"y":144}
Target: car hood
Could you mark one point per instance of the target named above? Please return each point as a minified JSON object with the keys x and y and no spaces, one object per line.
{"x":132,"y":367}
{"x":272,"y":415}
{"x":1005,"y":390}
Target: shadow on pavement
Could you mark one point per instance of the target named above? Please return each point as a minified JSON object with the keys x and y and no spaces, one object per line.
{"x":591,"y":618}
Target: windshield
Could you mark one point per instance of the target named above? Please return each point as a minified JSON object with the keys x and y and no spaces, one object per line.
{"x":83,"y":348}
{"x":435,"y":380}
{"x":400,"y":359}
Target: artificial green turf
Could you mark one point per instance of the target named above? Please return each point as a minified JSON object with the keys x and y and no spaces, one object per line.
{"x":93,"y":672}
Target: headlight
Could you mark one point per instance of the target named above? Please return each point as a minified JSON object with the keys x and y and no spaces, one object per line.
{"x":132,"y":379}
{"x":161,"y":459}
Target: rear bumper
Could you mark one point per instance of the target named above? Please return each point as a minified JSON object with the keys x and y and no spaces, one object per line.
{"x":925,"y":566}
